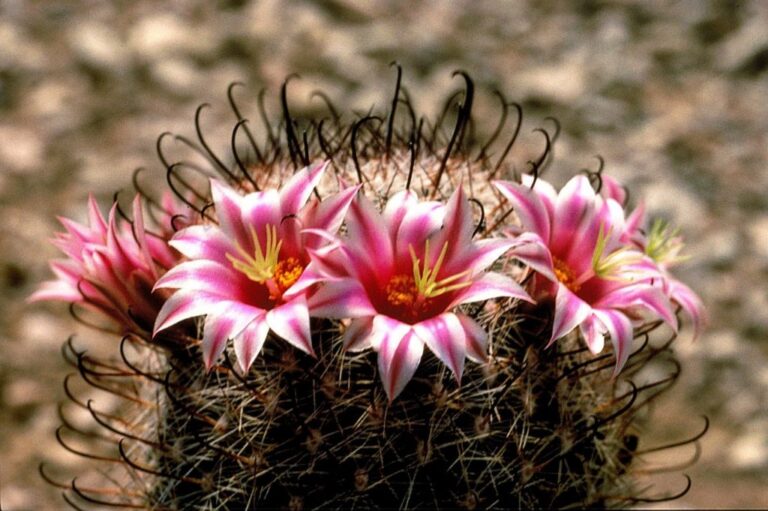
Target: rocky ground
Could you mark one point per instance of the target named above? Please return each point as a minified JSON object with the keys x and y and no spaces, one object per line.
{"x":671,"y":94}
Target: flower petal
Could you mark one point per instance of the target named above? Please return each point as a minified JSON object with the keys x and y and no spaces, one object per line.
{"x":691,"y":304}
{"x":357,"y":335}
{"x":531,"y":250}
{"x":329,"y":213}
{"x":204,"y":242}
{"x":649,"y":297}
{"x":619,"y":327}
{"x":339,"y":299}
{"x":570,"y":311}
{"x":399,"y":357}
{"x":457,"y":225}
{"x":529,"y":207}
{"x":224,"y":321}
{"x":574,"y":220}
{"x":592,"y":330}
{"x":368,"y":238}
{"x":259,"y":209}
{"x":291,"y":322}
{"x":477,"y":339}
{"x":489,"y":285}
{"x":295,"y":192}
{"x":202,"y":275}
{"x":229,"y":207}
{"x":445,"y":336}
{"x":249,"y":342}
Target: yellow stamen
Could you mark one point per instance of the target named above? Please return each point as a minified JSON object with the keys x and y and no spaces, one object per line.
{"x":611,"y":266}
{"x":425,"y":278}
{"x":261,"y":266}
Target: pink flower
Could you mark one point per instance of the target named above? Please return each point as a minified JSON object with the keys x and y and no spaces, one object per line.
{"x":111,"y":266}
{"x":575,"y":243}
{"x":401,"y":274}
{"x":251,"y":273}
{"x":664,"y":246}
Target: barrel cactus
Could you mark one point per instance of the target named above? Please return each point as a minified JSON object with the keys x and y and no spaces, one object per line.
{"x":270,"y":314}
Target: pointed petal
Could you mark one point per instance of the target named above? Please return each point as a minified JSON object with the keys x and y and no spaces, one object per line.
{"x":56,"y":290}
{"x":489,"y":285}
{"x":531,"y":250}
{"x":482,"y":254}
{"x":339,"y":299}
{"x":202,"y":275}
{"x":95,"y":219}
{"x":570,"y":311}
{"x":691,"y":304}
{"x":592,"y":330}
{"x":329,"y":213}
{"x":291,"y":322}
{"x":546,"y":192}
{"x":421,"y":220}
{"x":141,"y":237}
{"x":574,"y":214}
{"x":399,"y":357}
{"x":620,"y":328}
{"x":528,"y":206}
{"x":295,"y":192}
{"x":396,"y":208}
{"x":357,"y":335}
{"x":185,"y":304}
{"x":477,"y":339}
{"x":650,"y":298}
{"x":612,"y":189}
{"x":249,"y":342}
{"x":259,"y":209}
{"x":445,"y":337}
{"x":228,"y":204}
{"x":204,"y":242}
{"x":368,"y":238}
{"x":457,"y":225}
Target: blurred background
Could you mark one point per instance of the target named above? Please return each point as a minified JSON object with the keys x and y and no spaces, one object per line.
{"x":674,"y":96}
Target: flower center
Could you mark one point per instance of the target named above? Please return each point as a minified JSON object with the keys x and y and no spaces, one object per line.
{"x":565,"y":275}
{"x":287,"y":272}
{"x":401,"y":290}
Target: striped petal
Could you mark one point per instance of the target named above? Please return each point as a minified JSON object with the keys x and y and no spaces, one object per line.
{"x":619,"y":327}
{"x":224,"y":321}
{"x":477,"y":339}
{"x":593,"y":333}
{"x":339,"y":299}
{"x":291,"y":322}
{"x":204,"y":242}
{"x":229,"y":207}
{"x":357,"y":335}
{"x":691,"y":304}
{"x":570,"y":311}
{"x":529,"y":207}
{"x":202,"y":275}
{"x":399,"y":357}
{"x":295,"y":192}
{"x":249,"y":342}
{"x":444,"y":335}
{"x":490,"y":285}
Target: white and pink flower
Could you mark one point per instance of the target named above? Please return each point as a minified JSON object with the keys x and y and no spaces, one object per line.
{"x":112,"y":265}
{"x":251,"y":273}
{"x":401,"y":274}
{"x":575,"y":241}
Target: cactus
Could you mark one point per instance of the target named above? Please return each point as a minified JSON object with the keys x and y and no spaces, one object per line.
{"x":536,"y":426}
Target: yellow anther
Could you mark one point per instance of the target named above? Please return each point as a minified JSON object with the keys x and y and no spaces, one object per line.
{"x":425,"y":278}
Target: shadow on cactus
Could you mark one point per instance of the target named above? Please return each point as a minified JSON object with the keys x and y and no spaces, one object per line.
{"x":275,"y":307}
